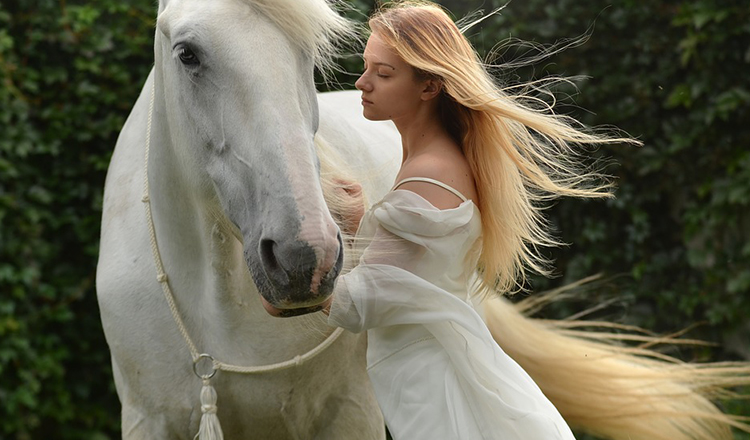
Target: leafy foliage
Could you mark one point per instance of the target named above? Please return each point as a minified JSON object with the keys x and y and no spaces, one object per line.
{"x":671,"y":73}
{"x":69,"y":74}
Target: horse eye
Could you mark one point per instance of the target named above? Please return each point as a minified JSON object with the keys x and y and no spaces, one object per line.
{"x":188,"y":57}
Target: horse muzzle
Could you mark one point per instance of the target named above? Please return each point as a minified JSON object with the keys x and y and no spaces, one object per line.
{"x":292,"y":277}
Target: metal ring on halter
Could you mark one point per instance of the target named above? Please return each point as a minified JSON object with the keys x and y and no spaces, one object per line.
{"x":213,"y":367}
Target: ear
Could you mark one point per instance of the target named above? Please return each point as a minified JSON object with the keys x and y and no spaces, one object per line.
{"x":431,"y":89}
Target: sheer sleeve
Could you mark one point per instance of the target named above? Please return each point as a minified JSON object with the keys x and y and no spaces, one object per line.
{"x":360,"y":300}
{"x":411,"y":239}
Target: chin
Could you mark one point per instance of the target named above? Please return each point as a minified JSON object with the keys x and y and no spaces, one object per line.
{"x":371,"y":117}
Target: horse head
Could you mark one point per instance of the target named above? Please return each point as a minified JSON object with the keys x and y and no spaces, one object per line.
{"x":240,"y":101}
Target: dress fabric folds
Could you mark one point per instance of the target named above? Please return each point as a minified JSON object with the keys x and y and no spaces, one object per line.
{"x":437,"y":372}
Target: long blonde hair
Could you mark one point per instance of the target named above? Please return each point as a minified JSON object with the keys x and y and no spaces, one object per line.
{"x":522,"y":155}
{"x":520,"y":152}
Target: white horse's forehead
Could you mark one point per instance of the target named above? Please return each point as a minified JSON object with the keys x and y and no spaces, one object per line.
{"x":255,"y":77}
{"x":236,"y":40}
{"x":216,"y":16}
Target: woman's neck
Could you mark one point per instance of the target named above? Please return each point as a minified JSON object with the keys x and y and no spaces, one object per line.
{"x":419,"y":132}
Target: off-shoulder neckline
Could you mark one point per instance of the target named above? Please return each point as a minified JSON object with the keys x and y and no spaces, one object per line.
{"x":455,"y":208}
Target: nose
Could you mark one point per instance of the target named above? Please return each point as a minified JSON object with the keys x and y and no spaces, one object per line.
{"x":362,"y":84}
{"x":302,"y":273}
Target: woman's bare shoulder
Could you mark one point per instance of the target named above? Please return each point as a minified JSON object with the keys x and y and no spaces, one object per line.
{"x":451,"y":169}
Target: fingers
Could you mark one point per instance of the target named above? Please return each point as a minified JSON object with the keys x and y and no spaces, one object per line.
{"x":350,"y":187}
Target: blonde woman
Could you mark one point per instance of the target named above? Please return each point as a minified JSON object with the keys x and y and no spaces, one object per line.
{"x":474,"y":163}
{"x":477,"y":162}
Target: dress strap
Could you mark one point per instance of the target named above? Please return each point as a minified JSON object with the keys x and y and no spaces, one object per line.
{"x":434,"y":182}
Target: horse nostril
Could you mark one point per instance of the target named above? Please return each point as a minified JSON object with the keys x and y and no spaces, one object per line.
{"x":297,"y":272}
{"x":268,"y":257}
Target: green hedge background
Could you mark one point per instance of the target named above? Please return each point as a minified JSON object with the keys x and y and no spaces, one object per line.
{"x":673,"y":246}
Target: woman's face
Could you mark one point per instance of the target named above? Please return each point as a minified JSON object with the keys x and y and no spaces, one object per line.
{"x":390,"y":90}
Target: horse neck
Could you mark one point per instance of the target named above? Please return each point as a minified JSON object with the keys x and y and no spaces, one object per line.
{"x":204,"y":262}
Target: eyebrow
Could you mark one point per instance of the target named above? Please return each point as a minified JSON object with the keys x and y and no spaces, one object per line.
{"x":380,"y":63}
{"x":385,"y":64}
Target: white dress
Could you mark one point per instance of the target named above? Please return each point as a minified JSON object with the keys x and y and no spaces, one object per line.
{"x":437,"y":372}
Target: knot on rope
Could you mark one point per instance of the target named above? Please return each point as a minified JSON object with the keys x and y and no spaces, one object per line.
{"x":209,"y":409}
{"x":162,"y":278}
{"x":145,"y":198}
{"x":297,"y":361}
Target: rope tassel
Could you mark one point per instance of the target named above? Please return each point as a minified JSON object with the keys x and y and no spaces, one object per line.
{"x":210,"y":429}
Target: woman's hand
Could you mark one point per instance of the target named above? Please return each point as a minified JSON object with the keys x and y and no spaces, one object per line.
{"x":356,"y":207}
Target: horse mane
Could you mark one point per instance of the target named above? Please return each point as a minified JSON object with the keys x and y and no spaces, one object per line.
{"x":334,"y":170}
{"x":314,"y":25}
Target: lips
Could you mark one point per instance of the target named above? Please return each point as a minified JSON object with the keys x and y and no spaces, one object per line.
{"x":366,"y":101}
{"x":288,"y":313}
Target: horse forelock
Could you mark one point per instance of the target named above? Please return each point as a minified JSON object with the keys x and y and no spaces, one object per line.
{"x":313,"y":25}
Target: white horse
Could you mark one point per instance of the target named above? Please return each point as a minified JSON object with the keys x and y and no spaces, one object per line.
{"x":238,"y":214}
{"x":232,"y":211}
